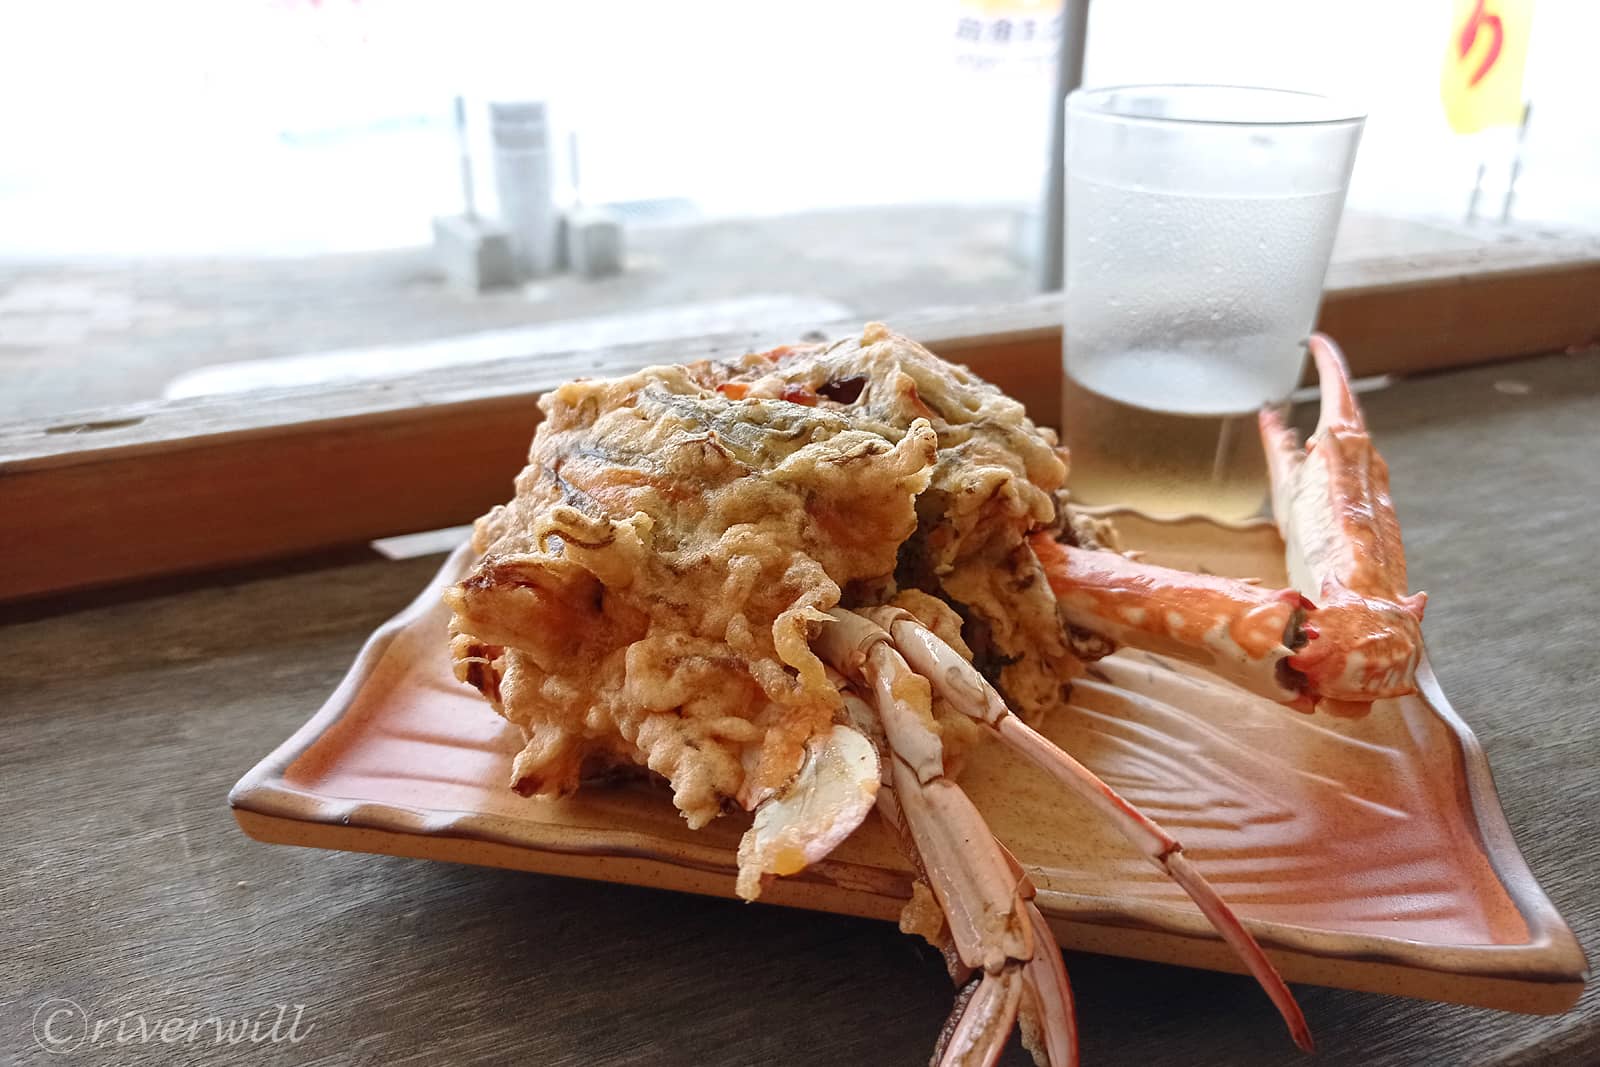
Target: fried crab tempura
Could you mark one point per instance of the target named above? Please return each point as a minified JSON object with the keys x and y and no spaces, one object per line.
{"x":804,"y":582}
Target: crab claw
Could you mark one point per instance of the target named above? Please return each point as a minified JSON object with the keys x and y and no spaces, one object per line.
{"x":1332,"y":506}
{"x":1242,"y":632}
{"x":1346,"y":635}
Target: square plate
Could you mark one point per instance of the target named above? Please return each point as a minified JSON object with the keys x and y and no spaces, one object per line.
{"x":1364,"y":853}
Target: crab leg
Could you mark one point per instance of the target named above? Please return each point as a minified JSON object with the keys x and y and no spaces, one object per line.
{"x":1049,"y":1023}
{"x":1346,"y":635}
{"x":1240,"y":631}
{"x":982,"y":1020}
{"x":984,"y":895}
{"x":1034,"y":990}
{"x":991,"y":978}
{"x":1332,"y":505}
{"x":972,"y":882}
{"x":960,"y":683}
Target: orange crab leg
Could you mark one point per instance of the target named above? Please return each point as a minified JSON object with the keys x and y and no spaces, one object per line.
{"x":985,"y":896}
{"x":973,"y":885}
{"x":1332,"y":505}
{"x":1242,"y":632}
{"x":1346,"y":635}
{"x":985,"y":1012}
{"x":961,"y":684}
{"x":1049,"y":1019}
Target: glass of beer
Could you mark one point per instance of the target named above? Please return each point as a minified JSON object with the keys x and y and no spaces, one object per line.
{"x":1199,"y":221}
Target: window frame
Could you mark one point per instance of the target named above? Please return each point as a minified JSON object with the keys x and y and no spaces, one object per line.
{"x":164,"y":487}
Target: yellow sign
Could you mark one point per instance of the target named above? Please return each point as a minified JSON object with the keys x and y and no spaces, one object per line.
{"x":1482,"y":82}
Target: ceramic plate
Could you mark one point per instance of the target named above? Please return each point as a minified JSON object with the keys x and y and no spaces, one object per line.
{"x":1369,"y":854}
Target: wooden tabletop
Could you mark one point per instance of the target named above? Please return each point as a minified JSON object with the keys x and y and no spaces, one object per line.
{"x":129,"y":891}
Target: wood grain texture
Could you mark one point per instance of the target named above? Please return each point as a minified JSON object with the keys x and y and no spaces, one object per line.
{"x":1452,"y":309}
{"x":164,"y":487}
{"x":129,"y":889}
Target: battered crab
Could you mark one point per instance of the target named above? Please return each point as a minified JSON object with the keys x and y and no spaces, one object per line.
{"x":804,"y":582}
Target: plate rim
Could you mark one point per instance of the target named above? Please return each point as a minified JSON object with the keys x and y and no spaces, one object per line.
{"x":1551,"y":956}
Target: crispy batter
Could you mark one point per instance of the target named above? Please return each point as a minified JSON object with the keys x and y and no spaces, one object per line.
{"x":649,"y":595}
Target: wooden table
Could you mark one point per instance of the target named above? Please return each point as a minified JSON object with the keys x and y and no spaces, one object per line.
{"x":128,"y":888}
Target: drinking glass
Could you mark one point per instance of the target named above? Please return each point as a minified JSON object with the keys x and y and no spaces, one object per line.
{"x":1199,"y":222}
